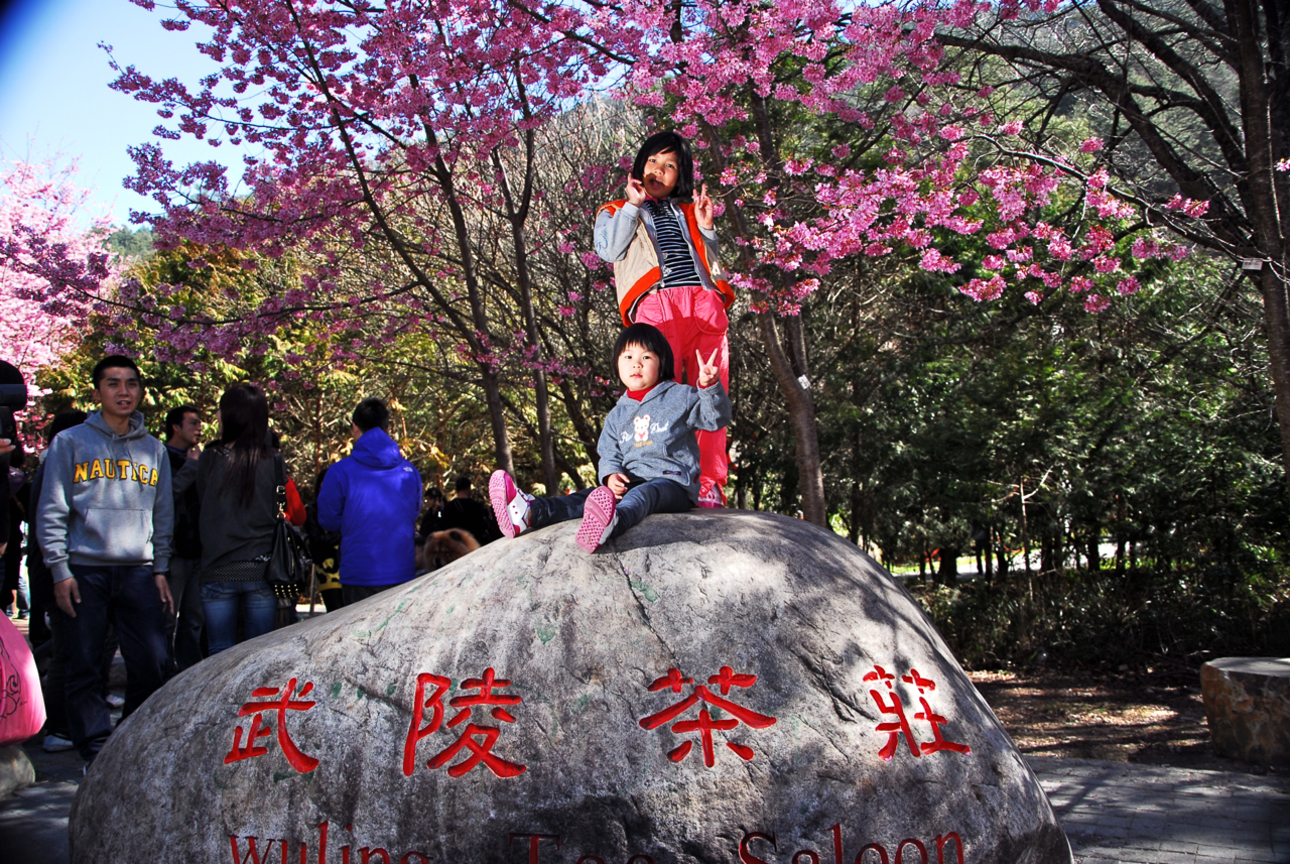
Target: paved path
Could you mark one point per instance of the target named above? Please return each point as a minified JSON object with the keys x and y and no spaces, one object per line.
{"x":1143,"y":814}
{"x":1113,"y":812}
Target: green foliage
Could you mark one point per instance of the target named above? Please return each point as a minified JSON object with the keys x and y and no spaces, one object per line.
{"x":1070,"y":620}
{"x":131,"y":244}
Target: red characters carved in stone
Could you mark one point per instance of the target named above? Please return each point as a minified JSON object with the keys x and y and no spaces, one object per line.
{"x":284,"y":703}
{"x":479,"y":740}
{"x":896,"y":708}
{"x":704,"y":723}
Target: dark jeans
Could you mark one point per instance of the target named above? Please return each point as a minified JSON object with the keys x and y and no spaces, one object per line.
{"x":351,"y":594}
{"x":186,"y":590}
{"x":221,"y":600}
{"x":37,"y":631}
{"x":125,"y":596}
{"x":653,"y":496}
{"x":54,"y":684}
{"x":333,"y":598}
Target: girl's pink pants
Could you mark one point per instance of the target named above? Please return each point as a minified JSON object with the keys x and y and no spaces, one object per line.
{"x":693,"y":319}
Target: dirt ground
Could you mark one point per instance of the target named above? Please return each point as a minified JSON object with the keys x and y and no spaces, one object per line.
{"x":1153,"y":716}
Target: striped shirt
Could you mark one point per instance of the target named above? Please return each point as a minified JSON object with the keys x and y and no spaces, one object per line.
{"x":677,"y":262}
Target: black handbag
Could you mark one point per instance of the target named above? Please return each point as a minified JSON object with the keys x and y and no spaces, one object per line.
{"x":289,"y":563}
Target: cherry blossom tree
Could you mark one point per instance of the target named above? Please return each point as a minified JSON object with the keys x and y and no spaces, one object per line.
{"x":53,"y":267}
{"x":1193,"y":101}
{"x":905,"y":159}
{"x":829,"y":129}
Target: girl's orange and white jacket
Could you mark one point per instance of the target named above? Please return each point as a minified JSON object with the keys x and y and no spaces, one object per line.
{"x":624,"y":236}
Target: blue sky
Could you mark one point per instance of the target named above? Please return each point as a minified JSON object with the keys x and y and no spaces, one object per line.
{"x":54,"y":95}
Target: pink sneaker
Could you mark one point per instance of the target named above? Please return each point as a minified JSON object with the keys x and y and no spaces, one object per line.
{"x":599,"y":516}
{"x":510,"y":505}
{"x":712,"y":497}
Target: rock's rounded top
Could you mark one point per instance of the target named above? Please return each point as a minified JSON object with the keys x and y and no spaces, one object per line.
{"x":1278,"y":667}
{"x":713,"y":686}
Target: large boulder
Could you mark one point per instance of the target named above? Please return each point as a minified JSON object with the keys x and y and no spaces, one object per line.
{"x":16,"y":770}
{"x":1247,"y":705}
{"x":712,"y":687}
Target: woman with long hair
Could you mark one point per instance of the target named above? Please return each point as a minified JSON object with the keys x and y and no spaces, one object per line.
{"x":236,"y":486}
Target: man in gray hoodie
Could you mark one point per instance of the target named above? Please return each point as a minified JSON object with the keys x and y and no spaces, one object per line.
{"x":104,"y":523}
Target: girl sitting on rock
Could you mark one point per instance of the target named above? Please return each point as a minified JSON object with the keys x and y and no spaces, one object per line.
{"x":649,"y":456}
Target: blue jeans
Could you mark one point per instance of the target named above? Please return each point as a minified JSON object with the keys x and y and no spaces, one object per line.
{"x":220,"y":602}
{"x":127,"y":596}
{"x":653,"y":496}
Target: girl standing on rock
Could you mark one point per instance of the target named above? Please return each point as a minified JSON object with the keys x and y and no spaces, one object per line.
{"x":649,"y":455}
{"x":664,"y":250}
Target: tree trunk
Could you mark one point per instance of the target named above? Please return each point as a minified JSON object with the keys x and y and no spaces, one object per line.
{"x":989,"y":554}
{"x":1262,"y":139}
{"x":488,"y":379}
{"x":801,"y":415}
{"x":790,"y":372}
{"x":517,"y":213}
{"x":948,"y":573}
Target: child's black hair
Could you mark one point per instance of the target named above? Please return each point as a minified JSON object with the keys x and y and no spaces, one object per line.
{"x":664,"y":142}
{"x":651,"y":339}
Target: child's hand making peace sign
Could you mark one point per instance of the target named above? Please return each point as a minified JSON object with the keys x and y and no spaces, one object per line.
{"x":703,"y":211}
{"x":709,"y":372}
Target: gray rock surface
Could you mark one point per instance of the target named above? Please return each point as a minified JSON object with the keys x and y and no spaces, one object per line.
{"x":16,"y":771}
{"x":793,"y":649}
{"x":1247,"y":708}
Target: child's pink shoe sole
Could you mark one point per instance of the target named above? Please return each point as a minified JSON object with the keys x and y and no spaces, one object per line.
{"x":501,"y":489}
{"x":597,"y":512}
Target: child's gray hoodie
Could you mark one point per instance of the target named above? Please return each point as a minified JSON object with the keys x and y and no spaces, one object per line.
{"x":654,"y":437}
{"x":106,"y":499}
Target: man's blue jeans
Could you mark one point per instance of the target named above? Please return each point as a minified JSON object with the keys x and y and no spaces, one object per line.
{"x":220,"y":602}
{"x":127,"y":596}
{"x":655,"y":496}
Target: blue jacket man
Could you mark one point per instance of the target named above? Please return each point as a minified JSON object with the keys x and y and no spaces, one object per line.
{"x":373,"y":498}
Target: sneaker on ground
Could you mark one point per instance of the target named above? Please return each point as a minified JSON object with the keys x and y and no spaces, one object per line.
{"x":713,"y":496}
{"x":115,"y":701}
{"x":599,"y":516}
{"x":511,"y":507}
{"x":55,"y":743}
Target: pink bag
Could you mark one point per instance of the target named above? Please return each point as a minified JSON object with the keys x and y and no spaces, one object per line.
{"x":22,"y":707}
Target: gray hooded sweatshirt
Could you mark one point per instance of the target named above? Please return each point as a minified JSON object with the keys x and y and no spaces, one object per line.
{"x":106,"y":499}
{"x":654,"y":438}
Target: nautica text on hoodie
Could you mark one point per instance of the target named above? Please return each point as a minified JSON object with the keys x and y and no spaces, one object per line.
{"x":106,"y":499}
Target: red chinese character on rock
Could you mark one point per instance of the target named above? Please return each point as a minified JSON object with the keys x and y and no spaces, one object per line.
{"x":477,"y":739}
{"x":938,"y":741}
{"x":420,"y":703}
{"x":896,"y":708}
{"x":704,"y":725}
{"x":301,"y":762}
{"x":893,"y":728}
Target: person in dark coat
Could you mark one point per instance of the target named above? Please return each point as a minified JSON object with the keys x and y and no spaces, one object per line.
{"x":466,"y":513}
{"x":183,"y":434}
{"x":236,"y":483}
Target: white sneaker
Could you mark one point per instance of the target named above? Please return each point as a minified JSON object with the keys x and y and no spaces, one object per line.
{"x":115,"y":701}
{"x":512,"y":508}
{"x":56,"y":744}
